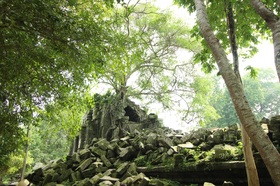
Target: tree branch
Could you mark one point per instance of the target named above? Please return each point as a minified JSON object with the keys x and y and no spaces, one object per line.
{"x":264,"y":12}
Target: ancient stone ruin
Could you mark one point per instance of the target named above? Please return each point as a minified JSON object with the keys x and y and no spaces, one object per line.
{"x":112,"y":120}
{"x":132,"y":148}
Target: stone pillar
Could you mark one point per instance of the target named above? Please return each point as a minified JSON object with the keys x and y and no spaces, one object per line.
{"x":76,"y":144}
{"x":71,"y":149}
{"x":89,"y":124}
{"x":83,"y":135}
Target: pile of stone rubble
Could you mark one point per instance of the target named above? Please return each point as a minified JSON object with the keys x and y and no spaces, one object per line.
{"x":118,"y":162}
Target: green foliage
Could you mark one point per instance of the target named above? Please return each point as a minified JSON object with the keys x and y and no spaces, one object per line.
{"x":14,"y":165}
{"x":141,"y":59}
{"x":141,"y":161}
{"x":201,"y":107}
{"x":142,"y":63}
{"x":250,"y":29}
{"x":252,"y":71}
{"x":57,"y":126}
{"x":47,"y":143}
{"x":45,"y":54}
{"x":262,"y":93}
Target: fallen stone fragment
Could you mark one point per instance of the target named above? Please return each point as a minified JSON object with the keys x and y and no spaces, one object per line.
{"x":122,"y":168}
{"x":95,"y":179}
{"x":105,"y":183}
{"x":109,"y":178}
{"x":106,"y":162}
{"x":84,"y":154}
{"x":84,"y":164}
{"x":208,"y":184}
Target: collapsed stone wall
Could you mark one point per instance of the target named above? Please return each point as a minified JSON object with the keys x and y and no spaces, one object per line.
{"x":119,"y":144}
{"x":140,"y":157}
{"x":112,"y":120}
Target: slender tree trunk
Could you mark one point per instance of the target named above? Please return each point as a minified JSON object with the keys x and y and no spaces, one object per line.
{"x":273,"y":22}
{"x":251,"y":170}
{"x":26,"y":154}
{"x":259,"y":138}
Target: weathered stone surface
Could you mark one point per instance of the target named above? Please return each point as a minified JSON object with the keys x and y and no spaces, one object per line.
{"x":122,"y":168}
{"x":97,"y":164}
{"x":47,"y":179}
{"x":230,"y":136}
{"x":84,"y":182}
{"x":165,"y":142}
{"x":127,"y":153}
{"x":109,"y":178}
{"x":76,"y":158}
{"x":65,"y":175}
{"x":84,"y":164}
{"x":97,"y":151}
{"x":110,"y":172}
{"x":216,"y":137}
{"x":128,"y":181}
{"x":105,"y":183}
{"x":152,"y":139}
{"x":132,"y":169}
{"x":139,"y":180}
{"x":55,"y":177}
{"x":84,"y":154}
{"x":73,"y":177}
{"x":208,"y":184}
{"x":95,"y":179}
{"x":107,"y":163}
{"x":171,"y":151}
{"x":88,"y":173}
{"x":102,"y":144}
{"x":187,"y":145}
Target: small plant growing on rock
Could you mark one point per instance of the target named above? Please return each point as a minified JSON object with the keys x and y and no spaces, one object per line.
{"x":141,"y":161}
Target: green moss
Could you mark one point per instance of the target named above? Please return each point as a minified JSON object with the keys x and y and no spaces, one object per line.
{"x":141,"y":161}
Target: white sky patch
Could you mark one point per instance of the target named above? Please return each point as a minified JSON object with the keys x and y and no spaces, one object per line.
{"x":263,"y":59}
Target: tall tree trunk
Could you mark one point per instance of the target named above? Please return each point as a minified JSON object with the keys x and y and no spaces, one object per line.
{"x":273,"y":22}
{"x":251,"y":170}
{"x":26,"y":154}
{"x":259,"y":138}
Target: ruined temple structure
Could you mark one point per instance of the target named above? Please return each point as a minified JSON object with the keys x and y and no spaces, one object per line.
{"x":120,"y":144}
{"x":112,"y":120}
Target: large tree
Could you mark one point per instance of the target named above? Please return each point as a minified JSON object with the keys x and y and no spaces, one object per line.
{"x":142,"y":61}
{"x":265,"y":147}
{"x":45,"y":53}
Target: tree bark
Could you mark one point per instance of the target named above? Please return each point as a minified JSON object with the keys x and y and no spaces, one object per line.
{"x":251,"y":170}
{"x":26,"y":154}
{"x":273,"y":22}
{"x":259,"y":138}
